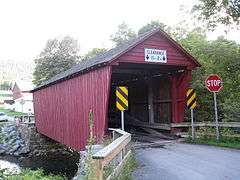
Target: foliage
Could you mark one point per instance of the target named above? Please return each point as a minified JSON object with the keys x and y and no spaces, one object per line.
{"x":90,"y":173}
{"x":58,"y":56}
{"x":11,"y":113}
{"x":28,"y":174}
{"x":6,"y":95}
{"x":153,"y":25}
{"x":94,"y":52}
{"x":220,"y":57}
{"x":6,"y":85}
{"x":207,"y":135}
{"x":126,"y":172}
{"x":123,"y":34}
{"x":216,"y":12}
{"x":130,"y":166}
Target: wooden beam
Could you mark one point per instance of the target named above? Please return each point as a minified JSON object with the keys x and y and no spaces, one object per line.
{"x":174,"y":118}
{"x":135,"y":122}
{"x":150,"y":102}
{"x":130,"y":71}
{"x":98,"y":170}
{"x":156,"y":133}
{"x":154,"y":126}
{"x":110,"y":151}
{"x":205,"y":124}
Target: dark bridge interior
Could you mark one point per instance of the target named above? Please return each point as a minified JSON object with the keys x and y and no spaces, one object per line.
{"x":149,"y":89}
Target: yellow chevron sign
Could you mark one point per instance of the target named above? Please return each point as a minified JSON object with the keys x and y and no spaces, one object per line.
{"x":191,"y":99}
{"x":122,"y":98}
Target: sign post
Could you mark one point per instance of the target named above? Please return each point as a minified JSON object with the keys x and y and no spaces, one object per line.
{"x":191,"y":104}
{"x":216,"y":115}
{"x":122,"y":101}
{"x":122,"y":120}
{"x":214,"y":83}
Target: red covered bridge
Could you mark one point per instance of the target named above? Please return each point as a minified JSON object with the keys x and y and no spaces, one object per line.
{"x":156,"y":69}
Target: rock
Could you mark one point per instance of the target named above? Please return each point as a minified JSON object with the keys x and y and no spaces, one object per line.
{"x":16,"y":153}
{"x":21,"y":158}
{"x":23,"y":150}
{"x":18,"y":142}
{"x":81,"y":166}
{"x":9,"y":128}
{"x":2,"y":151}
{"x":6,"y":146}
{"x":2,"y":147}
{"x":15,"y":148}
{"x":11,"y":141}
{"x":12,"y":133}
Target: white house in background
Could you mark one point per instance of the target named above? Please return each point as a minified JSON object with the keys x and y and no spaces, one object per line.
{"x":22,"y":97}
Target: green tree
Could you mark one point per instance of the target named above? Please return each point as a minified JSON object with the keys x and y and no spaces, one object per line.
{"x":58,"y":56}
{"x":94,"y":52}
{"x":222,"y":57}
{"x":196,"y":43}
{"x":123,"y":34}
{"x":225,"y":56}
{"x":153,"y":25}
{"x":216,"y":12}
{"x":6,"y":85}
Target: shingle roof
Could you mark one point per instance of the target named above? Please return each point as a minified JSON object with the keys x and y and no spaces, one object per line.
{"x":104,"y":58}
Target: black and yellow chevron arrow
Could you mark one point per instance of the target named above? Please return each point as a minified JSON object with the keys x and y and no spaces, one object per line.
{"x":122,"y":98}
{"x":191,"y":99}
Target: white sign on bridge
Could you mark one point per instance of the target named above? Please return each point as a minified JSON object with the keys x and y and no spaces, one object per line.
{"x":155,"y":55}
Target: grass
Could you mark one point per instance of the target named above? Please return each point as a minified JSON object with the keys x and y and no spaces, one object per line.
{"x":130,"y":166}
{"x":5,"y":95}
{"x":213,"y":142}
{"x":126,"y":172}
{"x":28,"y":174}
{"x":228,"y":138}
{"x":11,"y":113}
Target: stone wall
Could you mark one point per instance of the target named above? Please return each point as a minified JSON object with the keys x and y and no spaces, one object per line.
{"x":39,"y":144}
{"x":31,"y":137}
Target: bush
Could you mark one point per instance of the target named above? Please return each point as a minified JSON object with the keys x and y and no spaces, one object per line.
{"x":28,"y":174}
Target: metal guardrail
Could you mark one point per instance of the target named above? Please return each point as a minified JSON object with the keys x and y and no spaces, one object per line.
{"x":103,"y":157}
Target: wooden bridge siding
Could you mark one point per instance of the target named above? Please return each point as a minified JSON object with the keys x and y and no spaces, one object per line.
{"x":179,"y":83}
{"x":61,"y":110}
{"x":174,"y":57}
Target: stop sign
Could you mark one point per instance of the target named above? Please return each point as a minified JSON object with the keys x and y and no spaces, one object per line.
{"x":213,"y":83}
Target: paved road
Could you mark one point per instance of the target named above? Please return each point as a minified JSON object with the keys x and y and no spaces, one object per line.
{"x":187,"y":162}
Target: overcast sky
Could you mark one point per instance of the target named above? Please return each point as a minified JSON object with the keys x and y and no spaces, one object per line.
{"x":26,"y":25}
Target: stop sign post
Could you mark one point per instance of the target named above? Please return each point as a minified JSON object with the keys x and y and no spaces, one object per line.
{"x":214,"y":84}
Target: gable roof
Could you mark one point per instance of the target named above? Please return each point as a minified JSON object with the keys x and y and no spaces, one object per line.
{"x":109,"y":56}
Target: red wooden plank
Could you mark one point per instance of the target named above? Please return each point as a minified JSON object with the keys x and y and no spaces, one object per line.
{"x":136,"y":54}
{"x":173,"y":61}
{"x":61,"y":110}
